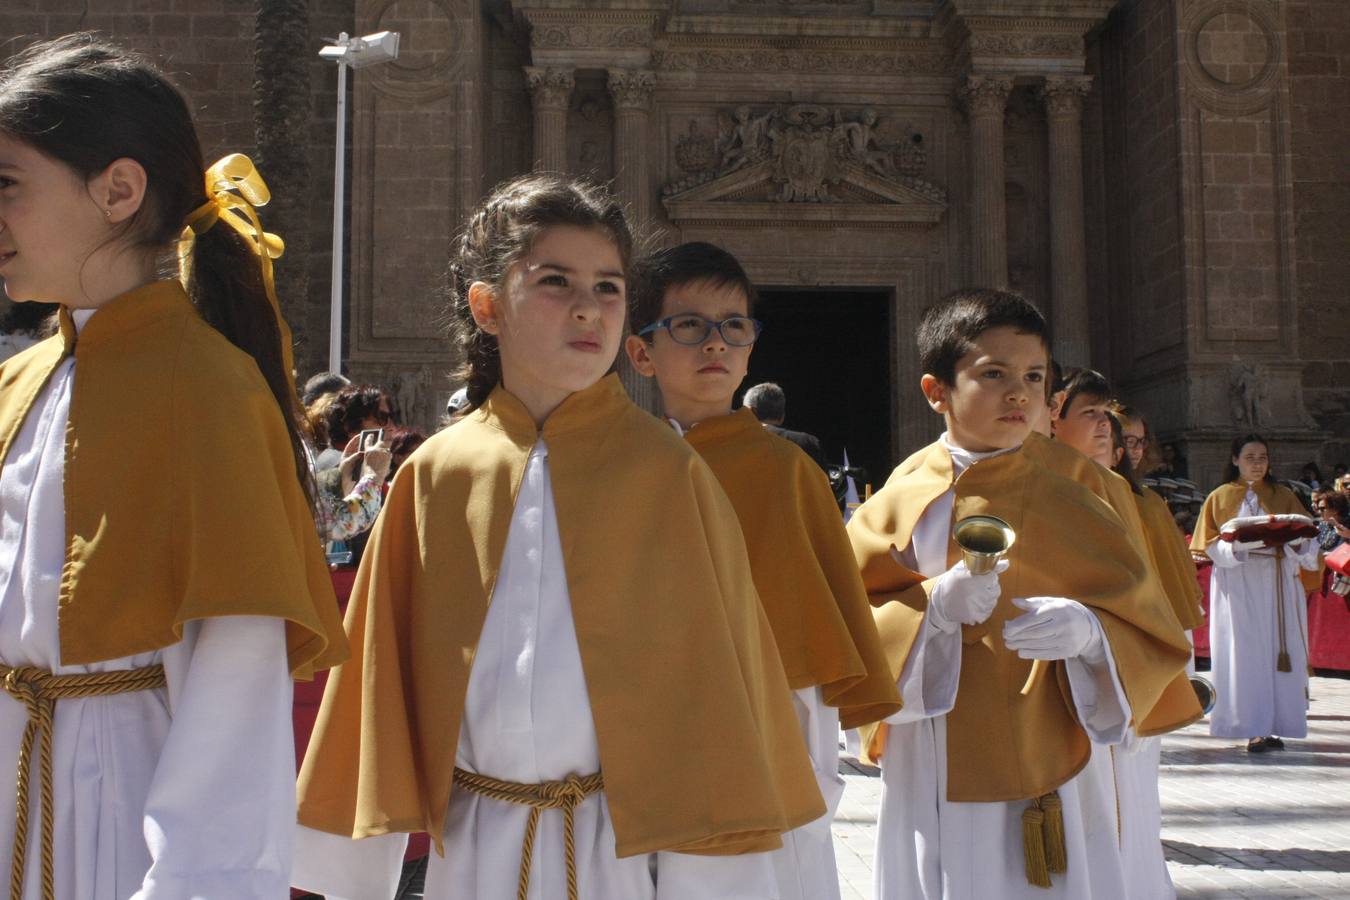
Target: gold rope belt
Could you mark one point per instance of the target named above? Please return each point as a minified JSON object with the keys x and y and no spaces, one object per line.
{"x":565,"y":795}
{"x":1282,"y":657}
{"x":39,"y":690}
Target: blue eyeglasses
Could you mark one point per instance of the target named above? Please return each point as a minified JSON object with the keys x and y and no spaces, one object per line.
{"x":692,"y":330}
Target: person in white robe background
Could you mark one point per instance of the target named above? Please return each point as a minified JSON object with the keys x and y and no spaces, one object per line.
{"x":1258,"y":607}
{"x":178,"y":784}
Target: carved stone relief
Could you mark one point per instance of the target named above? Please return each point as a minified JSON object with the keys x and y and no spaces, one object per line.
{"x":1247,"y":399}
{"x":566,"y":35}
{"x":805,"y":146}
{"x":768,"y":59}
{"x":590,"y":125}
{"x":1026,"y":45}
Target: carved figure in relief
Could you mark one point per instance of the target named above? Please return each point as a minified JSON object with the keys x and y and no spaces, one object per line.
{"x":858,"y":141}
{"x":743,"y":139}
{"x":1247,"y":395}
{"x":407,"y":391}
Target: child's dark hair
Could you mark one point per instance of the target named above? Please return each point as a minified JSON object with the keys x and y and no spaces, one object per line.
{"x":86,"y":102}
{"x":1088,"y":383}
{"x":672,"y":267}
{"x":949,"y":328}
{"x":1231,"y":471}
{"x":500,"y":233}
{"x":1123,"y":466}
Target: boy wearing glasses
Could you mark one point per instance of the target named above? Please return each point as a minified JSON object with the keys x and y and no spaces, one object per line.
{"x":690,"y":314}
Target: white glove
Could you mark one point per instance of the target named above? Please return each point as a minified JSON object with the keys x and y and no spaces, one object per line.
{"x":960,"y":598}
{"x":1248,"y":546}
{"x":1053,"y":628}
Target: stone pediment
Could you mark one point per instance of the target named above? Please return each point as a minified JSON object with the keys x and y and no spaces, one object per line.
{"x":802,"y":163}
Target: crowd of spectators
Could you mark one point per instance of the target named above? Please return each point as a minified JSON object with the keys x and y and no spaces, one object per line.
{"x":357,"y":446}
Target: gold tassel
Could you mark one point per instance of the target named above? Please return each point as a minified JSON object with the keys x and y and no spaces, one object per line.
{"x":1282,"y":663}
{"x":1033,"y":845}
{"x":1056,"y":854}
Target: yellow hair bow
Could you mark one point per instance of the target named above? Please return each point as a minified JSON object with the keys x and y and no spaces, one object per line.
{"x":234,"y":191}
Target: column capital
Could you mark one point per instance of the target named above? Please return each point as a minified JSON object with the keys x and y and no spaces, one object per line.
{"x":1063,"y":94}
{"x":632,"y":88}
{"x":986,"y":94}
{"x":550,"y":88}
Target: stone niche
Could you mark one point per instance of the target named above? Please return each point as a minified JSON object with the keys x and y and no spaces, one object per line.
{"x":416,"y":169}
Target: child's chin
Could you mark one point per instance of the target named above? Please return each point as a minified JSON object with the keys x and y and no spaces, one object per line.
{"x":1007,"y":435}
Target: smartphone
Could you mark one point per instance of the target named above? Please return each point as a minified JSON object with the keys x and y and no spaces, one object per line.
{"x":369,"y":438}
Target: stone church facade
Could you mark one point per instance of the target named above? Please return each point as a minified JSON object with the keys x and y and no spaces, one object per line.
{"x":1168,"y":179}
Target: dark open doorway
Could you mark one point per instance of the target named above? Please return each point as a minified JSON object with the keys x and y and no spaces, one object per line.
{"x":831,"y":352}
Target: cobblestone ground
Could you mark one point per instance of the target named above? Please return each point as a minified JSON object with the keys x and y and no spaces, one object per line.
{"x":1274,"y":825}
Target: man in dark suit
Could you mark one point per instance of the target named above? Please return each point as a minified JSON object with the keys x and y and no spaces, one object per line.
{"x":769,"y":405}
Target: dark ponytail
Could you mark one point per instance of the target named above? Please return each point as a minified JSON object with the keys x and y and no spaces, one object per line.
{"x":86,"y":102}
{"x":498,"y":234}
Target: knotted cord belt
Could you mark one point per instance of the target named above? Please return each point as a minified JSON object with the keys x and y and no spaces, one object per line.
{"x":1282,"y":658}
{"x":565,"y":795}
{"x":39,"y":690}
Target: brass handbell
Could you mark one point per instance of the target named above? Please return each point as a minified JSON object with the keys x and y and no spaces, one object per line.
{"x":983,"y":541}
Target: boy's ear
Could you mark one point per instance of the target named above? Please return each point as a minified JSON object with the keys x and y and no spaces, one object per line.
{"x":936,"y":392}
{"x":483,"y":307}
{"x":1057,"y":404}
{"x":637,"y":348}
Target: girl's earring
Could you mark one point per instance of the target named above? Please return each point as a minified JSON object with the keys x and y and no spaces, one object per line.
{"x":107,"y":214}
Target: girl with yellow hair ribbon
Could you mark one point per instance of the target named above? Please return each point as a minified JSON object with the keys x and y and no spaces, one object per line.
{"x":161,"y":578}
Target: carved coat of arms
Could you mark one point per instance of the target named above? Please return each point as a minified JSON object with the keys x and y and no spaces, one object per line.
{"x":802,"y":152}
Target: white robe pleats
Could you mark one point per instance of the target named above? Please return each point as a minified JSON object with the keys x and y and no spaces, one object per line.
{"x":178,"y":793}
{"x":527,"y":718}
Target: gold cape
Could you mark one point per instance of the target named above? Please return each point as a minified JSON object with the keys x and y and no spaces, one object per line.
{"x":180,"y":489}
{"x":802,"y":564}
{"x":1177,"y":706}
{"x":1003,"y":745}
{"x":1223,"y":504}
{"x":1225,"y":500}
{"x":1175,"y":565}
{"x":699,"y":745}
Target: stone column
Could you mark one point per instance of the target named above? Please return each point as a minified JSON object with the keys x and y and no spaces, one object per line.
{"x":986,"y":98}
{"x":631,"y":90}
{"x":1063,"y":95}
{"x":550,"y":92}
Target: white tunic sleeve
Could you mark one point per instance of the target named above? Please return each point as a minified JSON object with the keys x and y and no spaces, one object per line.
{"x":340,"y":868}
{"x":1098,"y":695}
{"x":221,"y":807}
{"x":932,"y":672}
{"x":1224,"y":555}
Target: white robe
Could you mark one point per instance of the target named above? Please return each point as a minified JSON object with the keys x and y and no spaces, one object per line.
{"x":177,"y":793}
{"x":805,"y":865}
{"x":1135,"y":762}
{"x":930,"y":848}
{"x":527,"y":718}
{"x":1253,"y":699}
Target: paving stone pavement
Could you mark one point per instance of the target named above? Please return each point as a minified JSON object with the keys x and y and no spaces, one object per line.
{"x":1273,"y":825}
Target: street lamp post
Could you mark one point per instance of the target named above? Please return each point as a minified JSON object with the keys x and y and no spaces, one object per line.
{"x":356,"y":53}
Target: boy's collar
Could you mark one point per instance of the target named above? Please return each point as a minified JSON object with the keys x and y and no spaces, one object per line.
{"x":963,"y":459}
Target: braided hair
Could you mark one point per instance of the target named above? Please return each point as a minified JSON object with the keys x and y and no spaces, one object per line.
{"x":499,"y":234}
